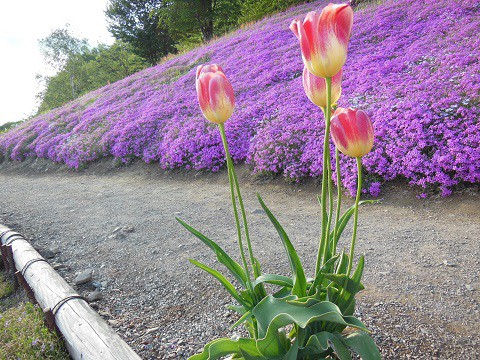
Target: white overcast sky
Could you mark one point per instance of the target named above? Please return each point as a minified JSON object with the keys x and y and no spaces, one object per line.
{"x":22,"y":23}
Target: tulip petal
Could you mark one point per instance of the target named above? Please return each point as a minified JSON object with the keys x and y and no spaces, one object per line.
{"x":352,"y":132}
{"x":222,"y":100}
{"x":215,"y":93}
{"x":324,"y":39}
{"x":294,"y":27}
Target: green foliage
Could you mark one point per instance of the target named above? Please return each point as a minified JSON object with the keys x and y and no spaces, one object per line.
{"x":253,"y":10}
{"x":6,"y":287}
{"x":88,"y":70}
{"x":191,"y":22}
{"x":9,"y":125}
{"x":317,"y":311}
{"x":306,"y":317}
{"x":137,"y":23}
{"x":24,"y":334}
{"x":60,"y":46}
{"x":362,"y":3}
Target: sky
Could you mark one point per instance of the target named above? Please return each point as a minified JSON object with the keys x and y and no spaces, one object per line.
{"x":22,"y":24}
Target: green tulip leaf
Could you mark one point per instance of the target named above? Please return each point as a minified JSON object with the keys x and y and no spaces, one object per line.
{"x":321,"y":275}
{"x":363,"y":345}
{"x":324,"y":344}
{"x":273,"y":314}
{"x":274,"y":279}
{"x":345,"y":282}
{"x":292,"y":353}
{"x":347,"y":301}
{"x":226,"y":284}
{"x":236,"y":270}
{"x":224,"y":347}
{"x":259,"y":290}
{"x":283,"y":292}
{"x":242,"y":319}
{"x":342,"y":264}
{"x":299,"y":280}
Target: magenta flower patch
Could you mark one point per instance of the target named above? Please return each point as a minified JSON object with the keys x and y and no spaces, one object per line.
{"x":413,"y":67}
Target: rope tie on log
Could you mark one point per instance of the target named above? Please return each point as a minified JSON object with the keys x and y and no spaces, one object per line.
{"x":50,"y":313}
{"x":30,"y":262}
{"x":7,"y":255}
{"x":10,"y":242}
{"x":13,"y":233}
{"x":5,"y":263}
{"x":30,"y":293}
{"x":8,"y":262}
{"x":4,"y":255}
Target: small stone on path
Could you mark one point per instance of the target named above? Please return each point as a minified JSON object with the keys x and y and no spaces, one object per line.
{"x":94,"y":296}
{"x":151,"y":330}
{"x":84,"y":277}
{"x":258,"y":211}
{"x":46,"y":253}
{"x":449,"y":263}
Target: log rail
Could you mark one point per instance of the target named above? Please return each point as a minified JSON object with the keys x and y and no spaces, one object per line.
{"x":86,"y":334}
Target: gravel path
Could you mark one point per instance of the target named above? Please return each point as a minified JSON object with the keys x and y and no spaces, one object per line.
{"x":422,"y":256}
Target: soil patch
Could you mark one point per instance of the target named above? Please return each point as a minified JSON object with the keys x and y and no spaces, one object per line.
{"x":422,"y":256}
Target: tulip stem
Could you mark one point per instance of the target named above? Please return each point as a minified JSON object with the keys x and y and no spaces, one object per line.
{"x":244,"y":218}
{"x":328,"y":247}
{"x":355,"y":216}
{"x":339,"y":200}
{"x":231,"y":180}
{"x":326,"y":156}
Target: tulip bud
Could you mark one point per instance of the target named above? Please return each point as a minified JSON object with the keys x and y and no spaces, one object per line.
{"x":316,"y":88}
{"x":324,"y":38}
{"x":215,"y":93}
{"x":352,"y":132}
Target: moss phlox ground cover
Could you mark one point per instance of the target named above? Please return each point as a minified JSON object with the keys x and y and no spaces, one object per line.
{"x":412,"y":66}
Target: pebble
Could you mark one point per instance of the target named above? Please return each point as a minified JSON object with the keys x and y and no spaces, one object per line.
{"x":119,"y":233}
{"x":60,"y":267}
{"x":46,"y":253}
{"x":449,"y":263}
{"x":84,"y":277}
{"x":94,"y":296}
{"x":117,"y":236}
{"x":258,"y":211}
{"x":151,"y":330}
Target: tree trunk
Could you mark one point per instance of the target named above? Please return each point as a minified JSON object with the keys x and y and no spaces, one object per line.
{"x":207,"y":9}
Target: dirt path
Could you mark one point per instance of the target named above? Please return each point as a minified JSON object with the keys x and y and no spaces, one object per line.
{"x":423,"y":256}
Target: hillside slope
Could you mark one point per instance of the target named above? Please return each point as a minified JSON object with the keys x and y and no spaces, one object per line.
{"x":413,"y":67}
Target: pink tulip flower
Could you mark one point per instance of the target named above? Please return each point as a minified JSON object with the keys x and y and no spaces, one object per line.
{"x":316,"y":88}
{"x":215,"y":93}
{"x":352,"y":132}
{"x":324,"y":38}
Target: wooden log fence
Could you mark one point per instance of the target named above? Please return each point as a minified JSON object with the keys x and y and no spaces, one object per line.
{"x":86,"y":334}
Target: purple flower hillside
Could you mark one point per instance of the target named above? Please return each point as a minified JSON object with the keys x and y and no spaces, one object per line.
{"x":413,"y":67}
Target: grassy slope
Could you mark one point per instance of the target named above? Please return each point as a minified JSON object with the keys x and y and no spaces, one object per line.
{"x":24,"y":333}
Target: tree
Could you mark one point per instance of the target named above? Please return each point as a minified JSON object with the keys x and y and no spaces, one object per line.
{"x":94,"y":68}
{"x":193,"y":20}
{"x":137,"y":23}
{"x":253,"y":10}
{"x":62,"y":51}
{"x":115,"y":62}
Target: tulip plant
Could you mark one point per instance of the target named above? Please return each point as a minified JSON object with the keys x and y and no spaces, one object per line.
{"x":306,"y":317}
